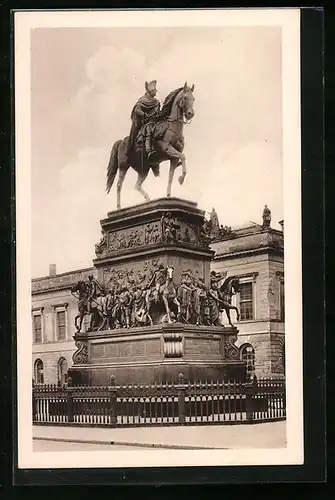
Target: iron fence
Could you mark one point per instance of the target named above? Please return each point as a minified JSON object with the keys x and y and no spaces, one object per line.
{"x":178,"y":403}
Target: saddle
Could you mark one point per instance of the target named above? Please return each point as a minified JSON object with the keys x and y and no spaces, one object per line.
{"x":157,"y":130}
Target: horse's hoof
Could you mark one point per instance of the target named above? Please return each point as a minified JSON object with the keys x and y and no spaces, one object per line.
{"x":168,"y":195}
{"x":181,"y":179}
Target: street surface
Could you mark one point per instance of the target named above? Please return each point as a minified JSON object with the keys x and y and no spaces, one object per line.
{"x":61,"y":446}
{"x":265,"y":435}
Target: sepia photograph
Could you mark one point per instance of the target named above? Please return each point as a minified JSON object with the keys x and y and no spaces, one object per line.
{"x":158,"y":199}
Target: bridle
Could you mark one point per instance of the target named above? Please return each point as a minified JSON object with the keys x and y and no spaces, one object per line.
{"x":181,"y":118}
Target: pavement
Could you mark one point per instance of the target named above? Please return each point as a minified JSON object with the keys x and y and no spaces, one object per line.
{"x":264,"y":435}
{"x":49,"y":445}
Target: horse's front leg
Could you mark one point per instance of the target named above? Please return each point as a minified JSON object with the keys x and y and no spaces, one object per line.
{"x":167,"y":309}
{"x":176,"y":301}
{"x":90,"y":329}
{"x":228,"y":316}
{"x":173,"y":166}
{"x":76,"y":323}
{"x":176,"y":157}
{"x":103,"y":319}
{"x":81,"y":321}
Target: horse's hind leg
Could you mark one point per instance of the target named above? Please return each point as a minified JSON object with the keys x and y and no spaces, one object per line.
{"x":141,"y":176}
{"x":122,"y":173}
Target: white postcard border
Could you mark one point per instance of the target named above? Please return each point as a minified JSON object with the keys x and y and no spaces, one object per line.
{"x":289,"y":20}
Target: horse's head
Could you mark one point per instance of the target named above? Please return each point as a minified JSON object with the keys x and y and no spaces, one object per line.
{"x":186,"y":101}
{"x":235,"y":285}
{"x":79,"y":287}
{"x":169,"y":272}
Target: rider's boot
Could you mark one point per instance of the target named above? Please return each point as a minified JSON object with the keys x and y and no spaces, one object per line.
{"x":148,"y":147}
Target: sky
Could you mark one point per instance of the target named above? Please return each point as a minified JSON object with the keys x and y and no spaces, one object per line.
{"x":84,"y":83}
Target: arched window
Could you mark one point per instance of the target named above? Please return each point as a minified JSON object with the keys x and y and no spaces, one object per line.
{"x":248,"y":356}
{"x":38,"y":371}
{"x":62,"y":370}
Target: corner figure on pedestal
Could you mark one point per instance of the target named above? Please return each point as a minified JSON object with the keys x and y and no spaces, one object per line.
{"x":169,"y":228}
{"x":92,"y":300}
{"x":266,"y":218}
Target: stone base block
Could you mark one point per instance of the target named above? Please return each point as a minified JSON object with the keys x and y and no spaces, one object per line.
{"x":156,"y":373}
{"x":157,"y":353}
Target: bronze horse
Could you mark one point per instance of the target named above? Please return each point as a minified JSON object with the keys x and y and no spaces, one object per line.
{"x":98,"y":317}
{"x":168,"y":136}
{"x":229,"y":288}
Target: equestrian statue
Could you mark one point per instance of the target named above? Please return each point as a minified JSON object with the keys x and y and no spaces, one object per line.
{"x":156,"y":135}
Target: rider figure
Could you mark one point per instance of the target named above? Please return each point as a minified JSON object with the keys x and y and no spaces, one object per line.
{"x":144,"y":112}
{"x":158,"y":279}
{"x":94,"y":289}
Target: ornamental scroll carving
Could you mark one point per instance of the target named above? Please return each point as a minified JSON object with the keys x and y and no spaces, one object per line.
{"x":231,"y":350}
{"x":80,"y":357}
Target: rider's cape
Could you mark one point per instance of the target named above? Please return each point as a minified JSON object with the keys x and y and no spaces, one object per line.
{"x":149,"y":105}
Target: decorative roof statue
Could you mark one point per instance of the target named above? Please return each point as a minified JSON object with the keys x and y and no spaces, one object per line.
{"x":156,"y":135}
{"x":215,"y":225}
{"x":225,"y":232}
{"x":266,"y":218}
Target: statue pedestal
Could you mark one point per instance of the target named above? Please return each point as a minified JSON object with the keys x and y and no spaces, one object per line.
{"x":167,"y":233}
{"x":135,"y":242}
{"x":157,"y":353}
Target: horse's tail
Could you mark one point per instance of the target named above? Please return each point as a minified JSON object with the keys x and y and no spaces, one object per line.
{"x":112,"y":166}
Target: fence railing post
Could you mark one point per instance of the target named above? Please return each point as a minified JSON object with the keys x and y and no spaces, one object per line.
{"x":33,"y":402}
{"x":181,"y":399}
{"x":249,"y":403}
{"x":113,"y":401}
{"x":69,"y":400}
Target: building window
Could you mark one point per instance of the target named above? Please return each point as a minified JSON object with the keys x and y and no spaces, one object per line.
{"x":282,"y":299}
{"x":246,"y":301}
{"x":60,"y":322}
{"x":37,"y":327}
{"x":38,"y":372}
{"x":62,"y":370}
{"x":248,"y":356}
{"x":61,"y":325}
{"x":37,"y":324}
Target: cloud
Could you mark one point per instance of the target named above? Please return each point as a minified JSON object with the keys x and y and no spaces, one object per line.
{"x":232,"y":146}
{"x":99,"y":113}
{"x":243,"y":182}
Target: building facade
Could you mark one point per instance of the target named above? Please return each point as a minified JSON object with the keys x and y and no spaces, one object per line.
{"x":256,"y":257}
{"x":54,"y":309}
{"x":252,"y":254}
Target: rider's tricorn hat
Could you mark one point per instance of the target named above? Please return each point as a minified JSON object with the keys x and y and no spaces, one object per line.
{"x":149,"y":86}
